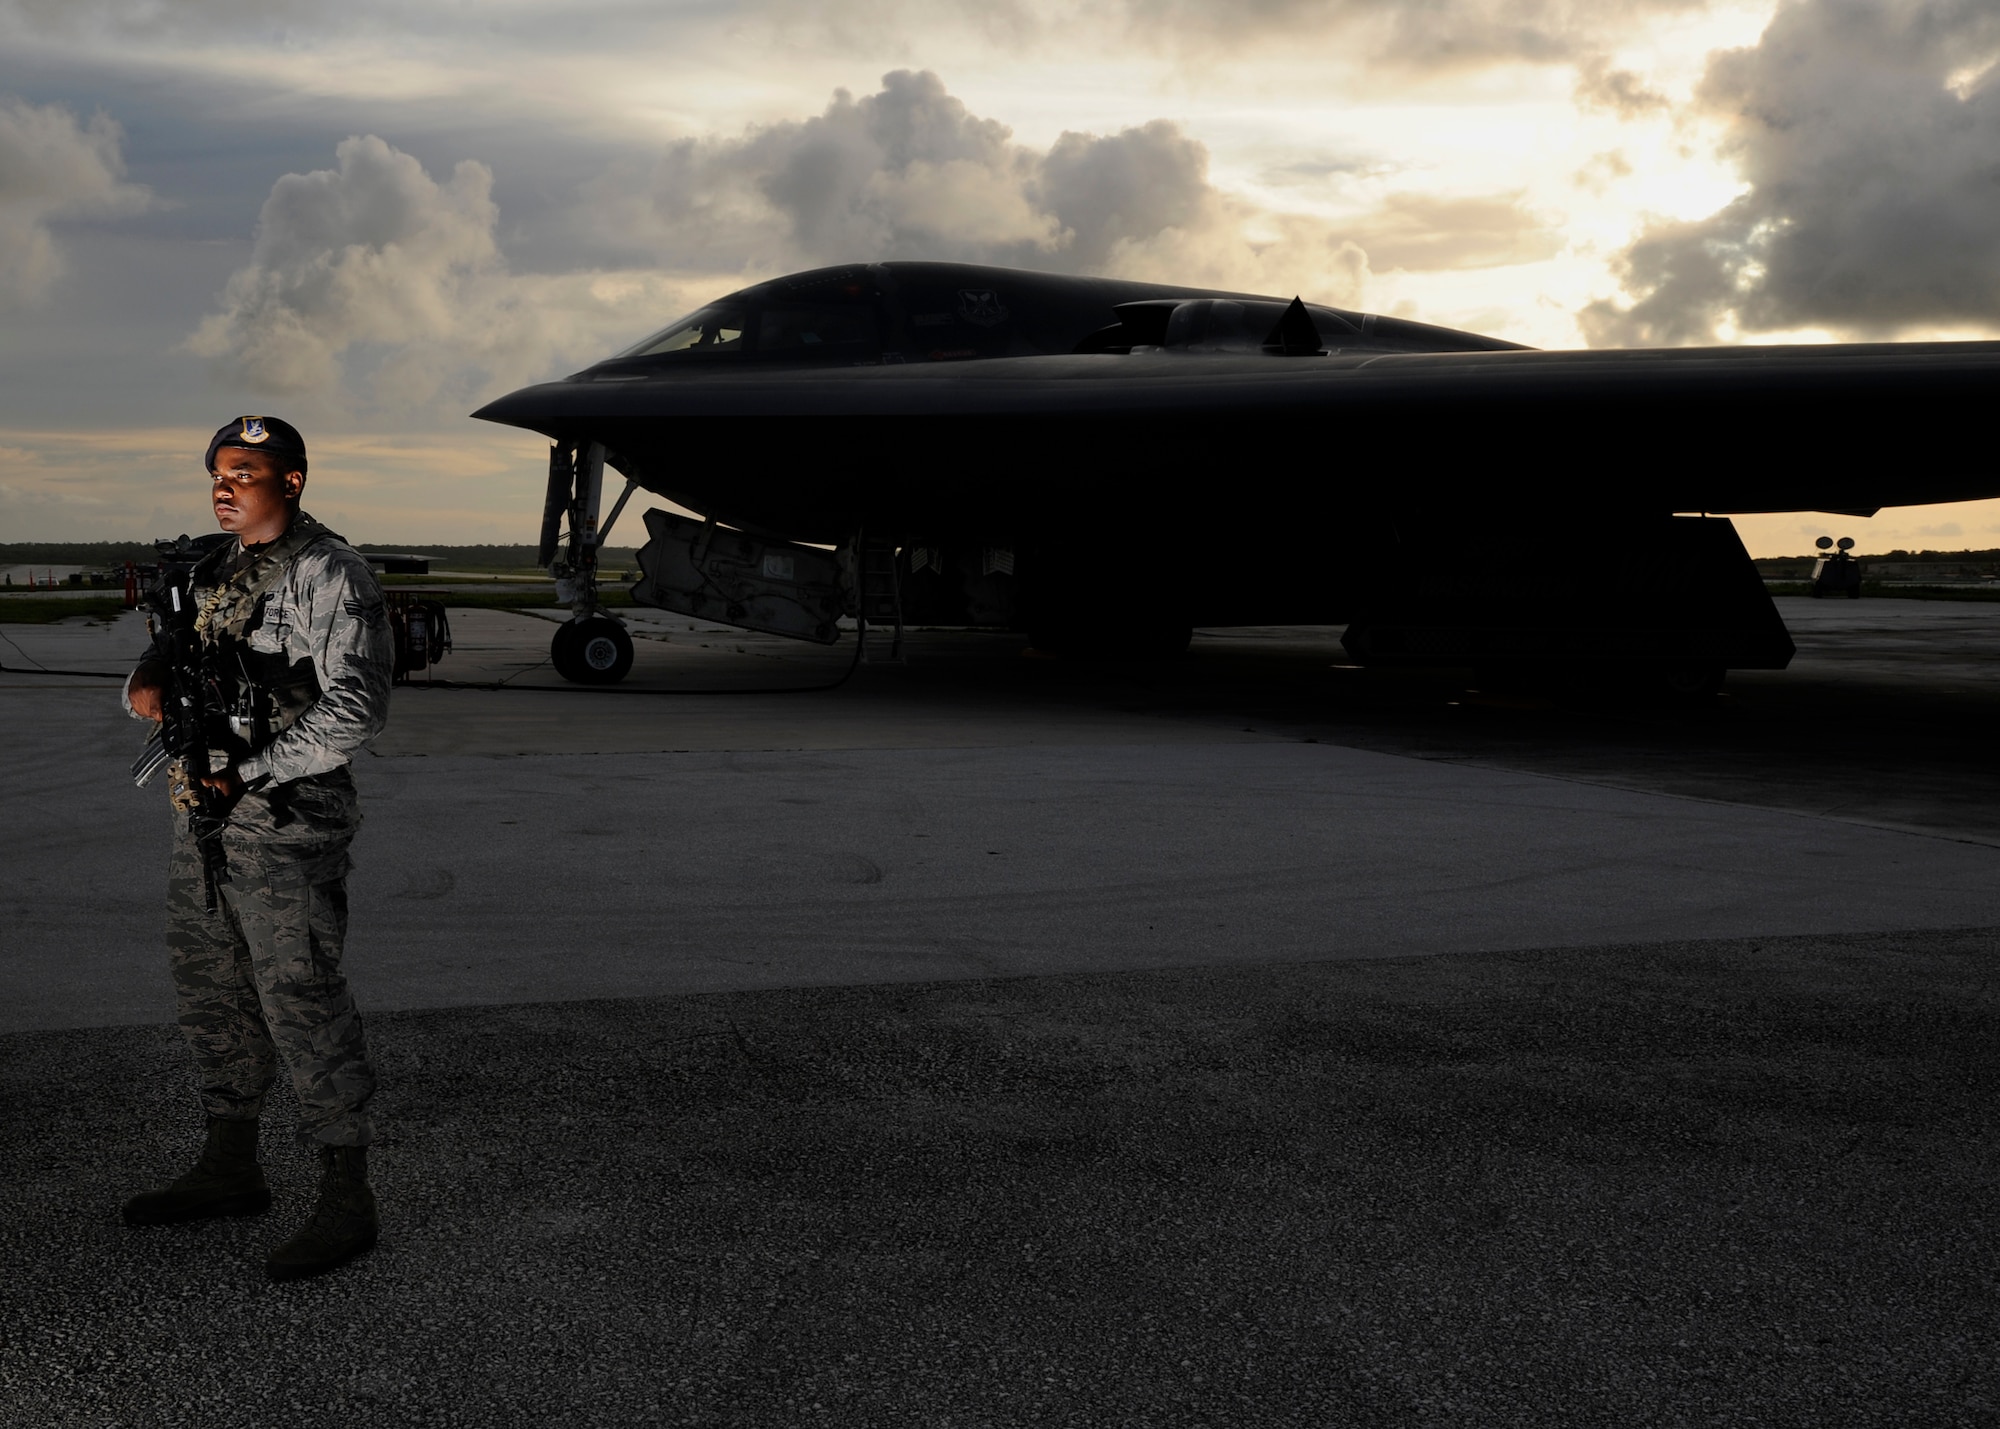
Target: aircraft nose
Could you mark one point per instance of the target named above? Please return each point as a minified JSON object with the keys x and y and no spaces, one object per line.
{"x":500,"y":409}
{"x":529,"y":407}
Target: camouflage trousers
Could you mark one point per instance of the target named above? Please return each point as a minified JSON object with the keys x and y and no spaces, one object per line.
{"x":258,"y":981}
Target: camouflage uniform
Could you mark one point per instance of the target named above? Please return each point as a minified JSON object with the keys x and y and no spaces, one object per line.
{"x":301,"y":631}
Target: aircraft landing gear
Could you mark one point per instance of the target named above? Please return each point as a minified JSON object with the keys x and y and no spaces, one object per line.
{"x":591,"y":648}
{"x":593,"y":651}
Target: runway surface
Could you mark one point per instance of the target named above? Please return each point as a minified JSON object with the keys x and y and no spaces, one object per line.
{"x":986,"y":1039}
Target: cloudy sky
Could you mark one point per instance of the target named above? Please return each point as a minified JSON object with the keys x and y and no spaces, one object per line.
{"x":371,"y":217}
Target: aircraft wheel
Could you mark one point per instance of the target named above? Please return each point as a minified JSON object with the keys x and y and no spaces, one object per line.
{"x":562,"y":653}
{"x":597,"y":651}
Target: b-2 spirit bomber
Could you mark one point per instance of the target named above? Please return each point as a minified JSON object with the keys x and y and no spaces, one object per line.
{"x":1107,"y":465}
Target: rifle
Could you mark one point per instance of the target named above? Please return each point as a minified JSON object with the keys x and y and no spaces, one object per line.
{"x":192,"y":707}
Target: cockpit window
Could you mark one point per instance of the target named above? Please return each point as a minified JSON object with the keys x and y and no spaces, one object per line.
{"x":831,"y":332}
{"x":716,"y":329}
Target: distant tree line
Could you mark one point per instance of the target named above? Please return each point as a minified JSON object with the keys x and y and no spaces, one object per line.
{"x":521,"y":557}
{"x":1975,"y":557}
{"x":73,"y":553}
{"x":1973,"y":563}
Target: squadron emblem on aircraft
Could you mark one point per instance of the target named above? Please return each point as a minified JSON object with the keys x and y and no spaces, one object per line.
{"x":981,"y":307}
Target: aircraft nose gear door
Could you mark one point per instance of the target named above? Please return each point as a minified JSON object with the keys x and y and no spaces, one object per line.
{"x":591,"y":648}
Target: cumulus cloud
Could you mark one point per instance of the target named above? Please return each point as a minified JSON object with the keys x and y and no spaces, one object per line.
{"x":52,"y":168}
{"x":910,"y":172}
{"x":1123,"y":189}
{"x":1600,"y":86}
{"x":376,"y":266}
{"x":374,"y":277}
{"x":1601,"y":171}
{"x":1869,"y":137}
{"x":373,"y":251}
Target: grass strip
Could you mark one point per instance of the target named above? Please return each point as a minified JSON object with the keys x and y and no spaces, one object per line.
{"x":48,"y":609}
{"x":517,"y":598}
{"x":1872,"y":590}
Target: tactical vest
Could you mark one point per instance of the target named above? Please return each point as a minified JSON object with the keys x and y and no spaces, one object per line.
{"x":262,"y":692}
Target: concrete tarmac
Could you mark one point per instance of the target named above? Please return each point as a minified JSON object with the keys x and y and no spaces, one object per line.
{"x":991,"y":1040}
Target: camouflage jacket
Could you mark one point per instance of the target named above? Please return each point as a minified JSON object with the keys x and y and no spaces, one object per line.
{"x":302,"y":628}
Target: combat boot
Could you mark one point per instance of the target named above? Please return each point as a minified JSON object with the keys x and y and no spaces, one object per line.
{"x":343,"y":1223}
{"x":225,"y":1181}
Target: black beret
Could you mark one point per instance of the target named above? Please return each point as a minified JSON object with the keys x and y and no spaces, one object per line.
{"x":261,"y":434}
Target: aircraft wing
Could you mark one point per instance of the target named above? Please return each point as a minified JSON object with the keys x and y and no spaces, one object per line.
{"x":1737,"y":429}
